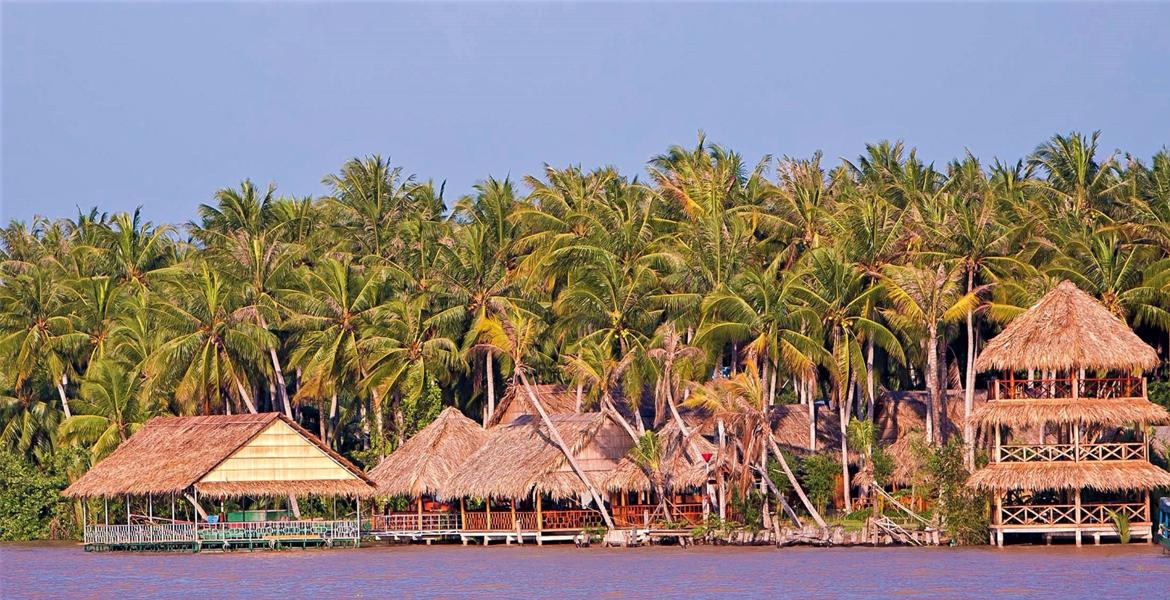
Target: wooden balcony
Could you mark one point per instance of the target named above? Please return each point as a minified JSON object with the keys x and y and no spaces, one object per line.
{"x":639,"y":515}
{"x":1072,"y":452}
{"x":1071,"y":514}
{"x":1069,"y":388}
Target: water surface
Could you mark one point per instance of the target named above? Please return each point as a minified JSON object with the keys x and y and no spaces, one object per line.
{"x":1062,"y":572}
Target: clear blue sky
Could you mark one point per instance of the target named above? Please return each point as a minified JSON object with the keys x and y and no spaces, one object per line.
{"x":118,"y":105}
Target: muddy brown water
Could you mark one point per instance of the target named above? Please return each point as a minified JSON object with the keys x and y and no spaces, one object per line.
{"x":61,"y":571}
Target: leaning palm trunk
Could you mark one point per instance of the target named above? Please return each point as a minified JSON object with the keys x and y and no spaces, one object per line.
{"x":560,"y":442}
{"x":871,"y":400}
{"x":792,"y":480}
{"x":280,"y":384}
{"x":247,"y":398}
{"x":64,"y":398}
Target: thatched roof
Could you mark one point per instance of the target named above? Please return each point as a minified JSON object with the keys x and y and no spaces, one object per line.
{"x":427,"y":460}
{"x":1066,"y":330}
{"x":520,"y":458}
{"x":1025,"y":413}
{"x":556,"y":400}
{"x":1105,"y":476}
{"x":790,"y":427}
{"x":900,"y":420}
{"x":684,"y":467}
{"x":174,"y":454}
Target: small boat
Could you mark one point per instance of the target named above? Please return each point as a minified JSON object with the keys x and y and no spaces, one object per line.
{"x":1164,"y":522}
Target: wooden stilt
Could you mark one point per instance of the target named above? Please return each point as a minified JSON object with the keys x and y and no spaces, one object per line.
{"x":463,"y":516}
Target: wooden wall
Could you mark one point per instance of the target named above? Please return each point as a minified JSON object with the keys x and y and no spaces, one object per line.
{"x":279,"y":453}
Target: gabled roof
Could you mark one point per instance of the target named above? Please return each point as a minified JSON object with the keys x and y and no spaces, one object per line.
{"x":174,"y":454}
{"x":556,"y":400}
{"x":429,"y":458}
{"x":1067,"y":329}
{"x":520,"y":457}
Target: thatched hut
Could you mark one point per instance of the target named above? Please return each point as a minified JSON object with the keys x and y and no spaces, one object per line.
{"x":191,"y":459}
{"x":1071,"y":479}
{"x":223,"y":456}
{"x":900,"y":423}
{"x":793,"y":429}
{"x":424,"y":463}
{"x":520,"y":459}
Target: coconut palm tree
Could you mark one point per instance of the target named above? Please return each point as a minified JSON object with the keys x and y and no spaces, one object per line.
{"x":111,"y":409}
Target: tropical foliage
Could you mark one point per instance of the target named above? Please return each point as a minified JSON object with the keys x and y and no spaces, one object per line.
{"x":360,"y":312}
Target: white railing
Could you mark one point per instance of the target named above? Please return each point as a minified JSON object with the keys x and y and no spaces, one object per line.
{"x":140,"y":534}
{"x":222,"y":532}
{"x":265,"y":530}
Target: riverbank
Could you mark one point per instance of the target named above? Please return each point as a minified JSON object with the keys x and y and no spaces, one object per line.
{"x":62,"y":570}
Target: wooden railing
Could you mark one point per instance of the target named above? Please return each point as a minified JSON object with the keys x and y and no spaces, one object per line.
{"x":1068,"y":388}
{"x":402,"y":522}
{"x":1073,"y":452}
{"x":634,"y":515}
{"x":1070,"y":514}
{"x":572,"y":519}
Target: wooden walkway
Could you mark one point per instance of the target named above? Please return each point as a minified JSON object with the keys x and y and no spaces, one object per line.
{"x":196,"y":537}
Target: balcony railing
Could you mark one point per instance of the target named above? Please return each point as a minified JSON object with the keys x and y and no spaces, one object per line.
{"x":1068,"y":388}
{"x":173,"y":533}
{"x":404,"y":522}
{"x":1073,"y":452}
{"x":1070,"y":514}
{"x":635,"y":515}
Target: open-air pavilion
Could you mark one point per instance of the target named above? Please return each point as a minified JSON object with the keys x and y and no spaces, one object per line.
{"x":185,"y":467}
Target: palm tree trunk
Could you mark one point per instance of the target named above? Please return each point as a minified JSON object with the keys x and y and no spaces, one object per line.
{"x":969,"y":384}
{"x":280,"y":384}
{"x":244,"y":395}
{"x":812,"y":416}
{"x":844,"y":412}
{"x":608,"y":406}
{"x":931,"y":375}
{"x":871,"y":399}
{"x":556,"y":436}
{"x":943,"y":382}
{"x":491,"y":391}
{"x":64,"y":399}
{"x":580,"y":392}
{"x":333,"y":417}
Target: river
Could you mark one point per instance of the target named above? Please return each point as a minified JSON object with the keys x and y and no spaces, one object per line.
{"x":63,"y":571}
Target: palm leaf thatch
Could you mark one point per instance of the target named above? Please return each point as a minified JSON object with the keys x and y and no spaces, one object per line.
{"x":790,"y":427}
{"x":682,"y":467}
{"x":173,"y":455}
{"x":1086,"y":411}
{"x":556,"y":399}
{"x":1067,"y":330}
{"x":1112,"y":476}
{"x":520,"y":458}
{"x":428,"y":459}
{"x":900,"y":418}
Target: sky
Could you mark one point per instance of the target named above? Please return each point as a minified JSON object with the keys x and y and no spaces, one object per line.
{"x":158,"y":105}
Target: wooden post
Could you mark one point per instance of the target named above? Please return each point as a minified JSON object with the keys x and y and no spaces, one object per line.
{"x":997,"y":441}
{"x":999,"y":518}
{"x":150,"y":506}
{"x":488,"y":503}
{"x":1146,"y":517}
{"x":513,"y":503}
{"x":358,"y":542}
{"x":537,"y":500}
{"x":127,"y":510}
{"x":1076,"y":387}
{"x":1144,"y":388}
{"x":1077,"y":445}
{"x":107,"y":499}
{"x":462,"y":514}
{"x":1077,"y":514}
{"x":420,"y":515}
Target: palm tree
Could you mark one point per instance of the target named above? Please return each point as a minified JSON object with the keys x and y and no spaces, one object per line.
{"x":338,"y":302}
{"x":928,"y":298}
{"x":112,"y":409}
{"x":839,"y":293}
{"x":515,"y":336}
{"x":37,"y":337}
{"x":740,"y":402}
{"x":214,"y":344}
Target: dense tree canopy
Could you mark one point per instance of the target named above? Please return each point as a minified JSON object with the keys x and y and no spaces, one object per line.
{"x":352,"y":311}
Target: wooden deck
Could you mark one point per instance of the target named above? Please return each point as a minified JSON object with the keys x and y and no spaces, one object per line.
{"x":1075,"y":521}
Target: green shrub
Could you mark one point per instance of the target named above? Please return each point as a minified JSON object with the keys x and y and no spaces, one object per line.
{"x":964,"y":511}
{"x":31,"y":506}
{"x":818,"y":476}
